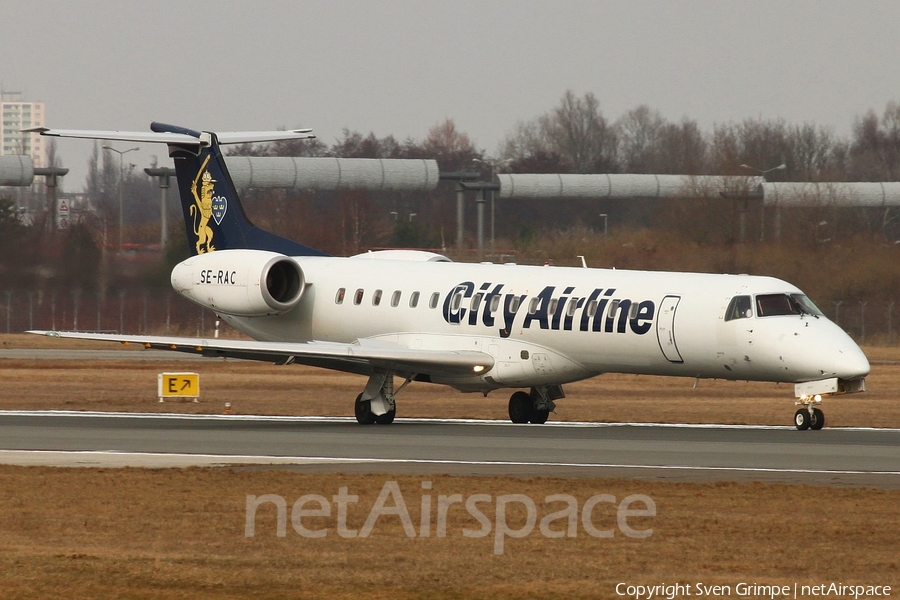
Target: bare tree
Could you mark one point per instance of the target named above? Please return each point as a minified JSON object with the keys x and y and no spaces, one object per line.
{"x":452,"y":148}
{"x":575,"y":131}
{"x":639,"y":131}
{"x":812,"y":152}
{"x":579,"y":132}
{"x":682,"y":149}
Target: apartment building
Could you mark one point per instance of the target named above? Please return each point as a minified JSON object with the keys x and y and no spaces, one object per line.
{"x":20,"y":114}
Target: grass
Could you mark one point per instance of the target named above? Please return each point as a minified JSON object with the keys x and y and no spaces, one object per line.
{"x":180,"y":533}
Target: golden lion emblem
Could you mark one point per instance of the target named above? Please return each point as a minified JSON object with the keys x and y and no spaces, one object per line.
{"x":202,"y":208}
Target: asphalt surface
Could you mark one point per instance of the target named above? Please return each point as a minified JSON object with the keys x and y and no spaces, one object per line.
{"x":857,"y":457}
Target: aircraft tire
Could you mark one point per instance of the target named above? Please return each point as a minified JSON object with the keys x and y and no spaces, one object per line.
{"x":818,"y":419}
{"x":539,"y":417}
{"x":802,"y":420}
{"x":387,"y":418}
{"x":363,"y":410}
{"x":520,"y":407}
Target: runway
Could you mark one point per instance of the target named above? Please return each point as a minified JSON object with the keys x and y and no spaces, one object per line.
{"x":868,"y":457}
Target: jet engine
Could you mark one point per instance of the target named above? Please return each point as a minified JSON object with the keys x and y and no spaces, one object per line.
{"x":245,"y":283}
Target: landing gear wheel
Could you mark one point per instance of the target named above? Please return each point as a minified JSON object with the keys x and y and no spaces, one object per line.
{"x":521,"y":407}
{"x":387,"y":418}
{"x":363,"y":410}
{"x":802,"y":419}
{"x":539,"y":417}
{"x":817,"y":421}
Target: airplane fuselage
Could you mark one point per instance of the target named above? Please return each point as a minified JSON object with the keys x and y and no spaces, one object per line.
{"x":551,"y":325}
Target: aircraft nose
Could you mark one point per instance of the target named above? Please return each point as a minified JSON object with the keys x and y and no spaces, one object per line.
{"x":851,"y":362}
{"x":825,"y":350}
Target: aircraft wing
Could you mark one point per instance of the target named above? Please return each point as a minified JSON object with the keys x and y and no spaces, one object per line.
{"x":351,"y":358}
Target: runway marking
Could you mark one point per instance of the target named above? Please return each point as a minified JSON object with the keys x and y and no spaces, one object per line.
{"x":269,"y":459}
{"x":315,"y":419}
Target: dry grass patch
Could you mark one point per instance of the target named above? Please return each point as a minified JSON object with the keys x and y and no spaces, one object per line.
{"x":180,"y":533}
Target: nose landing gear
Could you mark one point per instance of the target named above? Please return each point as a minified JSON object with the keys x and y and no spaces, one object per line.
{"x":809,"y":395}
{"x":809,"y":417}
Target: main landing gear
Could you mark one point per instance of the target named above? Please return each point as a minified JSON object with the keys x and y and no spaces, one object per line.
{"x":534,"y":407}
{"x":365,"y":416}
{"x":377,"y":403}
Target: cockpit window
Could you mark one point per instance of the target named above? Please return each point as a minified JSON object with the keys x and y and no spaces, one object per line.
{"x":770,"y":305}
{"x":740,"y":307}
{"x":806,"y":305}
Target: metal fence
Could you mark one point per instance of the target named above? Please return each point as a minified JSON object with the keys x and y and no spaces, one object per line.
{"x":142,"y":311}
{"x":163,"y":312}
{"x":868,"y":322}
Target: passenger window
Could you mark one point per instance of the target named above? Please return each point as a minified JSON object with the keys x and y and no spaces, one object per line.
{"x":457,"y":300}
{"x":532,"y":306}
{"x":339,"y":298}
{"x":414,"y":300}
{"x":434,"y":300}
{"x":495,"y":303}
{"x":551,"y":310}
{"x":740,"y":307}
{"x":632,"y":312}
{"x":572,"y":306}
{"x":395,"y":298}
{"x":476,"y":302}
{"x":514,"y":304}
{"x":592,"y":308}
{"x":358,"y":298}
{"x":376,"y":298}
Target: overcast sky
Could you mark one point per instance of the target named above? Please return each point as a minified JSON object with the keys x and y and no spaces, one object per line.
{"x":400,"y":67}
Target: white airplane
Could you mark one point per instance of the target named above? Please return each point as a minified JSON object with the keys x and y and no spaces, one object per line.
{"x":475,"y":327}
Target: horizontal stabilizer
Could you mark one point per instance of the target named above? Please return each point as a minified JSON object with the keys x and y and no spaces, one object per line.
{"x":182,"y":139}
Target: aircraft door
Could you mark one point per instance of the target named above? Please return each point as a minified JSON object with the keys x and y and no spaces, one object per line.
{"x":665,"y":329}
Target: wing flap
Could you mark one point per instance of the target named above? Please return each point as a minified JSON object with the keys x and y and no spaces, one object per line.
{"x":352,"y":358}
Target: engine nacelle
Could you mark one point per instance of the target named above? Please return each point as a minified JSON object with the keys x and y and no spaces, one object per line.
{"x":246,"y":283}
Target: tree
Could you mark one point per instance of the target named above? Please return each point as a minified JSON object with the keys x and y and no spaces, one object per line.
{"x":812,"y":152}
{"x":682,"y":149}
{"x":639,"y":132}
{"x":576,"y":131}
{"x":875,"y":147}
{"x":354,"y":145}
{"x":451,"y":148}
{"x":579,"y":132}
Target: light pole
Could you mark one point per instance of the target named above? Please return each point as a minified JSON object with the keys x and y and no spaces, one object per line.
{"x":762,"y":218}
{"x":494,"y":165}
{"x":121,"y":154}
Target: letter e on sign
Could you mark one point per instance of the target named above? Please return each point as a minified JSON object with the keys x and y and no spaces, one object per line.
{"x":178,"y":385}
